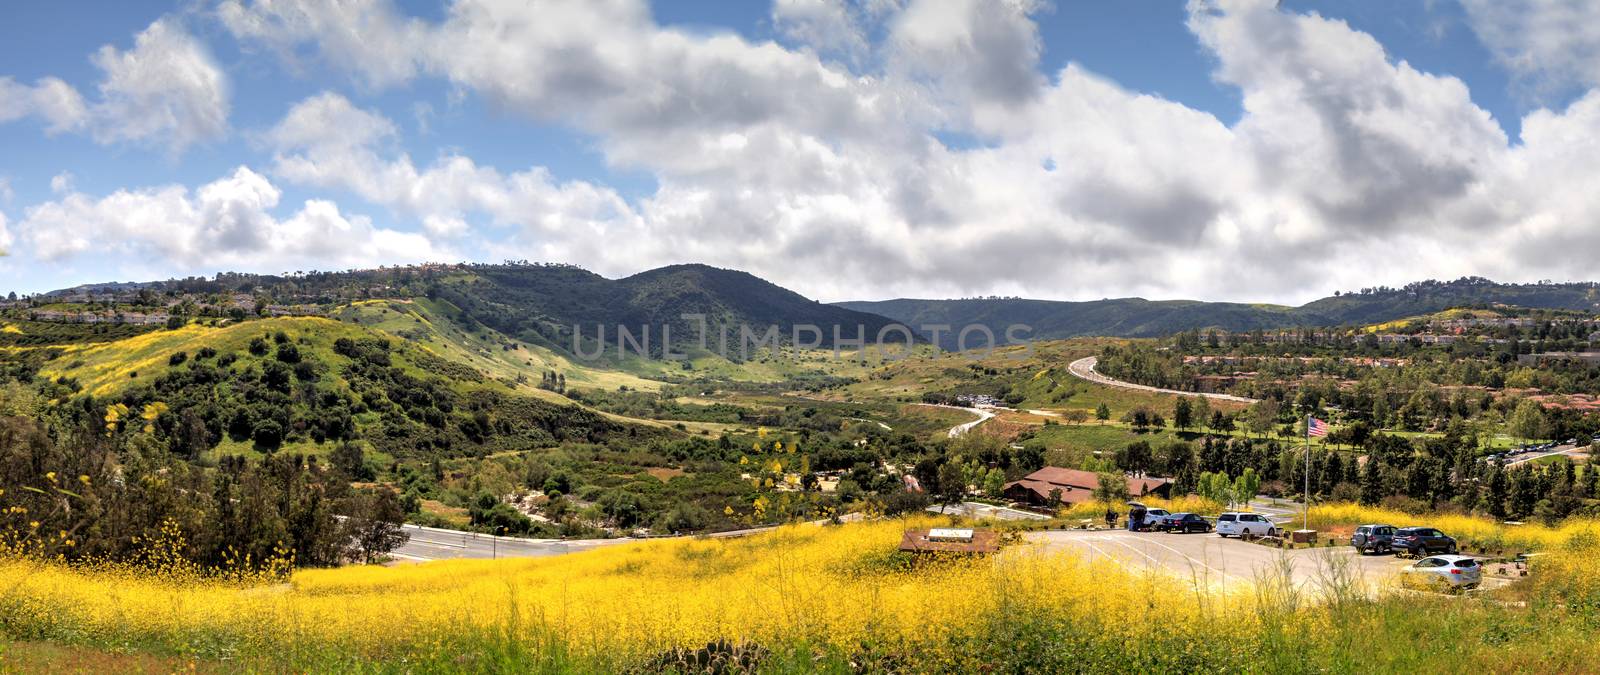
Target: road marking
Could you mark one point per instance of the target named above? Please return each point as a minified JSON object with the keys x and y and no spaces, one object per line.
{"x":1189,"y":558}
{"x":1117,"y":539}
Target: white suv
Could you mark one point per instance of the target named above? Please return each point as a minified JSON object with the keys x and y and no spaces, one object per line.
{"x":1243,"y":524}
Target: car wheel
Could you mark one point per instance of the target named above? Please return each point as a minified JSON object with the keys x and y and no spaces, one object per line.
{"x":1451,"y":550}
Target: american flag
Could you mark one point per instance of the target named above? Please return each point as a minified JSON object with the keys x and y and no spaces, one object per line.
{"x":1316,"y":427}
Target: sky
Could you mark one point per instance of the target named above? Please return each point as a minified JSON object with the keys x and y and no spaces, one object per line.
{"x":1245,"y":150}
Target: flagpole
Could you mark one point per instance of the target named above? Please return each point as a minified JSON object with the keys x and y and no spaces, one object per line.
{"x":1306,"y":496}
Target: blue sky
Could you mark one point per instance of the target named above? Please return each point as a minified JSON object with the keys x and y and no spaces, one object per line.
{"x":843,"y":148}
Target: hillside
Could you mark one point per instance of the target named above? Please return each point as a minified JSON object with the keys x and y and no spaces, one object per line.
{"x":305,"y":384}
{"x":1137,"y":317}
{"x":535,"y":303}
{"x":545,"y":304}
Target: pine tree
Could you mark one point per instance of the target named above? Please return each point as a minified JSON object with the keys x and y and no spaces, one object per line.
{"x":1371,"y":483}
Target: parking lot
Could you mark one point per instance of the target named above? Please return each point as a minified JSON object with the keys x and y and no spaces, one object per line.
{"x":1215,"y":562}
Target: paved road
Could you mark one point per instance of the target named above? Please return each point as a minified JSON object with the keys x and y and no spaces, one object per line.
{"x":1571,"y":450}
{"x":957,"y":430}
{"x":430,"y":543}
{"x":980,"y":510}
{"x":1214,"y":562}
{"x":1084,"y":369}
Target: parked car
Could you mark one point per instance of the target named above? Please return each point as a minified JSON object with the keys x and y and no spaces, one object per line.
{"x":1152,"y":518}
{"x":1373,"y":538}
{"x":1184,"y":522}
{"x":1445,"y":572}
{"x":1419,"y":541}
{"x":1235,"y":524}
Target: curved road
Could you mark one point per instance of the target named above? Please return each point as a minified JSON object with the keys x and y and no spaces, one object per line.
{"x":957,"y":430}
{"x":1084,"y":369}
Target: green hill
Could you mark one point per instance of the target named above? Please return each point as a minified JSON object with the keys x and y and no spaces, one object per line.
{"x":1137,"y":317}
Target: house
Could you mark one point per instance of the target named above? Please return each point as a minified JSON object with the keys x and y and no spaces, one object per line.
{"x":1075,"y":486}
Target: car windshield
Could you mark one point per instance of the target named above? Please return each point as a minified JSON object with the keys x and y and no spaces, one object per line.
{"x":1225,"y":517}
{"x":1466,"y":563}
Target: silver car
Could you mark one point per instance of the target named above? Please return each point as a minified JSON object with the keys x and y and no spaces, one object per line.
{"x":1444,"y":572}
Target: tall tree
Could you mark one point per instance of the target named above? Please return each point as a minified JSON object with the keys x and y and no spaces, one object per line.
{"x":1183,"y":413}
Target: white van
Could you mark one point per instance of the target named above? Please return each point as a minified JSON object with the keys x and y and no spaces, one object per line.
{"x":1234,"y":524}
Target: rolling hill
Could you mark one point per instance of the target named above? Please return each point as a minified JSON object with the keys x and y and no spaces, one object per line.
{"x":1138,"y":317}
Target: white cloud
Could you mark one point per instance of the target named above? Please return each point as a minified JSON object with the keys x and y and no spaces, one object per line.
{"x":51,"y":100}
{"x":832,"y":27}
{"x":976,"y":51}
{"x":1550,"y":45}
{"x":821,"y":153}
{"x":325,"y":141}
{"x":369,"y":37}
{"x":227,"y":223}
{"x":167,"y":90}
{"x":61,"y":183}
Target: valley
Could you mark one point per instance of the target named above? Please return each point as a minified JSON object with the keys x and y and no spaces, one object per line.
{"x":407,"y":416}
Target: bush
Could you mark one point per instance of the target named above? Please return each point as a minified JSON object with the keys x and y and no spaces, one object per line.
{"x":177,"y":359}
{"x":268,"y":435}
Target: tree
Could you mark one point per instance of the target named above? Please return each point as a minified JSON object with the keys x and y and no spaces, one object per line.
{"x":995,"y":483}
{"x":1111,"y":487}
{"x":374,"y":523}
{"x":1102,"y":413}
{"x":1138,"y":417}
{"x":352,"y":460}
{"x":952,"y":483}
{"x":1498,"y":490}
{"x":1371,"y":482}
{"x":1201,"y":413}
{"x":1215,"y":487}
{"x":1246,"y":485}
{"x":1183,"y":413}
{"x":1263,"y":414}
{"x":1136,"y":456}
{"x":268,"y":435}
{"x":1527,"y":422}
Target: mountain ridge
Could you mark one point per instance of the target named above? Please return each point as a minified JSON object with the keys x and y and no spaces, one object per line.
{"x":1138,"y":317}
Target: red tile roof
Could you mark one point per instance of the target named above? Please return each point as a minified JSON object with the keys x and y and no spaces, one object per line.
{"x":1077,"y":485}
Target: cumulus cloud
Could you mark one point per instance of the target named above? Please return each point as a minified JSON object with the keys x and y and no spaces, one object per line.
{"x":167,"y":91}
{"x":225,"y":223}
{"x":326,"y":141}
{"x":61,"y":183}
{"x":54,"y":102}
{"x":1549,"y":45}
{"x":984,"y":52}
{"x":370,"y":37}
{"x":824,"y":151}
{"x":832,"y":27}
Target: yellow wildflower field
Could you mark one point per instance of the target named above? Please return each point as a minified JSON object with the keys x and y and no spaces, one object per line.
{"x":806,"y":598}
{"x":838,"y":585}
